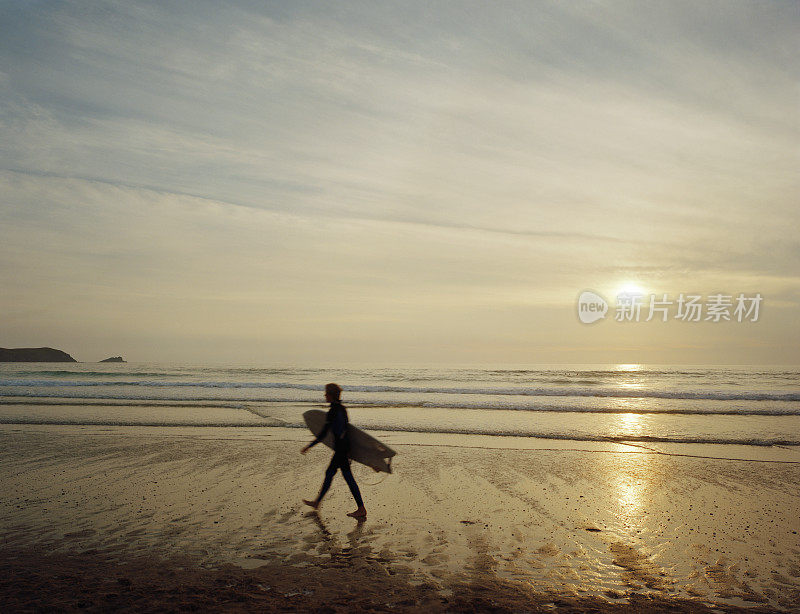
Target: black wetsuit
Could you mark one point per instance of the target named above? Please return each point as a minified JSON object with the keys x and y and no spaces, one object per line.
{"x":336,"y":422}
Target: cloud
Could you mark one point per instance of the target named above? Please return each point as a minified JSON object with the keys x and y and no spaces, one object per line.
{"x":463,"y":155}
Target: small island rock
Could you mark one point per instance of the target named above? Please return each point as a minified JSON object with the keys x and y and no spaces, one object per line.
{"x":113,"y":359}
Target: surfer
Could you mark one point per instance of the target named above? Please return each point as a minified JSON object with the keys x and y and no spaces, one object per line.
{"x":336,"y":421}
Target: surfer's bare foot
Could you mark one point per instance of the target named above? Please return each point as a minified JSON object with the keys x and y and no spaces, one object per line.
{"x":361,"y":512}
{"x":313,"y":504}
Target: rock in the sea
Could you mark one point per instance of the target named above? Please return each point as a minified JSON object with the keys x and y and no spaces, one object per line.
{"x":34,"y":355}
{"x":113,"y":359}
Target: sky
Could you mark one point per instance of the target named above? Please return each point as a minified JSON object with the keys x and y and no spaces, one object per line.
{"x":397,"y":183}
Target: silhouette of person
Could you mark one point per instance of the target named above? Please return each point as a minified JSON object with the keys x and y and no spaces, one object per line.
{"x":336,"y":422}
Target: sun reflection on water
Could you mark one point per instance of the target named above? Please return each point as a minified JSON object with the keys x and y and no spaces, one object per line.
{"x":630,"y":382}
{"x":630,"y":424}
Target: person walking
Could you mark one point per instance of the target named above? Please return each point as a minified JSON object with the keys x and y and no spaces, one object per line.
{"x":336,"y":422}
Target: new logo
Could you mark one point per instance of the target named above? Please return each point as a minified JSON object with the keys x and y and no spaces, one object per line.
{"x":591,"y":307}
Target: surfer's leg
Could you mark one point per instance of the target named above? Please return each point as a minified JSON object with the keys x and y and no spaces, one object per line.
{"x":326,"y":483}
{"x":351,"y":482}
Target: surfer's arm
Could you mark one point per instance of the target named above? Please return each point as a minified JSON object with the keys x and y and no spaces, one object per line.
{"x":322,"y":433}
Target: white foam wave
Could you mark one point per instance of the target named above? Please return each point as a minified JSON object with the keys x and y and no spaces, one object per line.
{"x":568,"y":391}
{"x":29,"y":397}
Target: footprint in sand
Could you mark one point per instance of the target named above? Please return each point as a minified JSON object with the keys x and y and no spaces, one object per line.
{"x":639,"y":569}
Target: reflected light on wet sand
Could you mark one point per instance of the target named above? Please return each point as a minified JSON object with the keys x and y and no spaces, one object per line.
{"x":630,"y":475}
{"x":631,"y":484}
{"x":629,"y":496}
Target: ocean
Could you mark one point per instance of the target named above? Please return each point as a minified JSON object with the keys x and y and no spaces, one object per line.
{"x":758,"y":406}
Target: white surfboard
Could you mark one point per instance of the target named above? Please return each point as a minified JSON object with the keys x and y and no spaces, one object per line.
{"x":364,"y":448}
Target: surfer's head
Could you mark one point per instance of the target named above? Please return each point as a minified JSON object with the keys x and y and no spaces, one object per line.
{"x":333,"y":392}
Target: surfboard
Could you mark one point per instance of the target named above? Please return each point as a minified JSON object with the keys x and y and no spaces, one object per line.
{"x":364,"y":448}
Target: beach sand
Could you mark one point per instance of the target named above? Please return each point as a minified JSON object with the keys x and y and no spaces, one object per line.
{"x":209,"y":518}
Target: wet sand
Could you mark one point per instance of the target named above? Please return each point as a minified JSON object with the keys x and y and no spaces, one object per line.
{"x":148,"y":519}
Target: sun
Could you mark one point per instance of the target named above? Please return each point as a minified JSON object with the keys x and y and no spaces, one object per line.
{"x":630,"y":288}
